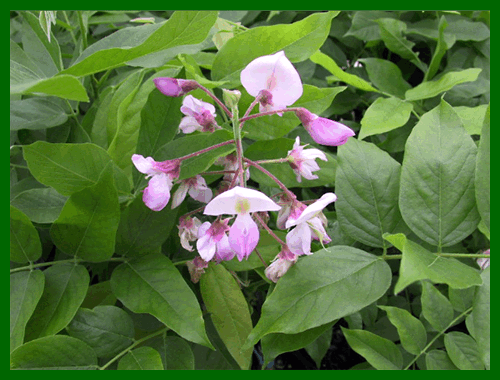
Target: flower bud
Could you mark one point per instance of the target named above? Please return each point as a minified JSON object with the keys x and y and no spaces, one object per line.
{"x":196,"y":268}
{"x":231,"y":98}
{"x":174,"y":87}
{"x":324,"y":131}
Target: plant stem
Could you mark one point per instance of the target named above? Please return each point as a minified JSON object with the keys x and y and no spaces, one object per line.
{"x":248,"y":117}
{"x":290,"y":195}
{"x":271,"y":232}
{"x":19,"y":166}
{"x":239,"y":146}
{"x":192,"y":212}
{"x":49,"y":263}
{"x":465,"y":255}
{"x":82,"y":30}
{"x":195,"y":154}
{"x":218,"y":172}
{"x":437,"y":336}
{"x":216,"y":99}
{"x":249,"y":109}
{"x":135,"y":344}
{"x":70,"y":30}
{"x":416,"y":114}
{"x":260,"y":257}
{"x":274,"y":161}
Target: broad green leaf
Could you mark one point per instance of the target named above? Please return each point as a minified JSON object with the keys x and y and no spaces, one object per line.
{"x":442,"y":46}
{"x":381,"y":353}
{"x":459,"y":28}
{"x":384,"y":115}
{"x":461,"y":299}
{"x":65,"y":289}
{"x":279,"y":148}
{"x":472,"y":118}
{"x":386,"y":76}
{"x":439,"y":360}
{"x":436,"y":308}
{"x":142,"y":230}
{"x":444,"y":83}
{"x":42,"y":205}
{"x":183,"y":28}
{"x":482,"y":178}
{"x":36,"y":113}
{"x":26,"y":288}
{"x":364,"y":26}
{"x":63,"y":86}
{"x":99,"y":294}
{"x":320,"y":288}
{"x":463,"y":351}
{"x":25,"y":243}
{"x":98,"y":130}
{"x":367,"y":187}
{"x":410,"y":330}
{"x":329,"y":64}
{"x":481,"y":318}
{"x":277,"y":343}
{"x":315,"y":99}
{"x":228,"y":307}
{"x":175,"y":352}
{"x":151,"y":284}
{"x":299,"y":40}
{"x":69,"y":168}
{"x":58,"y":352}
{"x":143,"y":358}
{"x":88,"y":222}
{"x":18,"y":55}
{"x":420,"y":264}
{"x":437,"y":191}
{"x":107,"y":329}
{"x":318,"y":349}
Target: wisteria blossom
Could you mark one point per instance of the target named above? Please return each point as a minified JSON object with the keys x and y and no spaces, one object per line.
{"x":197,"y":189}
{"x":200,"y":116}
{"x":196,"y":268}
{"x":157,"y":194}
{"x":240,"y":201}
{"x":188,"y":231}
{"x":213,"y":241}
{"x":324,"y":131}
{"x":309,"y":224}
{"x":230,"y":163}
{"x":303,"y":161}
{"x":174,"y":87}
{"x":274,"y":78}
{"x":484,"y":262}
{"x":282,"y":262}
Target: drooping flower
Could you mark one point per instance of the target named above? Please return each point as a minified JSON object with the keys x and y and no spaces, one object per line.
{"x":197,"y":188}
{"x":188,"y":231}
{"x":303,"y":161}
{"x":280,"y":264}
{"x":275,"y":79}
{"x":174,"y":87}
{"x":240,"y":201}
{"x":290,"y":209}
{"x":157,"y":194}
{"x":213,"y":241}
{"x":484,"y":262}
{"x":200,"y":116}
{"x":196,"y":268}
{"x":309,"y":224}
{"x":324,"y":131}
{"x":230,"y":163}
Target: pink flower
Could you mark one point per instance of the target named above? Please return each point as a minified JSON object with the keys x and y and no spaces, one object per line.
{"x":281,"y":264}
{"x":157,"y":194}
{"x":196,"y":268}
{"x":197,"y":188}
{"x":289,"y":210}
{"x":188,"y":231}
{"x":275,"y":79}
{"x":240,"y":201}
{"x":324,"y":131}
{"x":200,"y":116}
{"x":309,"y":225}
{"x":174,"y":87}
{"x":213,"y":241}
{"x":230,"y":163}
{"x":484,"y":262}
{"x":303,"y":161}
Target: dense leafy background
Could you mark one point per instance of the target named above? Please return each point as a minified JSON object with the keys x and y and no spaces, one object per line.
{"x":98,"y":280}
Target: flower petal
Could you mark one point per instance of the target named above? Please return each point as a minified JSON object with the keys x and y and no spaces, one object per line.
{"x":329,"y":132}
{"x":311,"y":210}
{"x":179,"y":195}
{"x":157,"y":194}
{"x":243,"y":236}
{"x":298,"y":240}
{"x":144,"y":165}
{"x":224,"y":251}
{"x":254,"y":77}
{"x":189,"y":124}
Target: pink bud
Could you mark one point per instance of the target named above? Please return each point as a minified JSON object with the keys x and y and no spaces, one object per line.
{"x":281,"y":264}
{"x":302,"y":161}
{"x":196,"y":268}
{"x":200,"y":116}
{"x":324,"y":131}
{"x":188,"y":231}
{"x":174,"y":87}
{"x":484,"y":262}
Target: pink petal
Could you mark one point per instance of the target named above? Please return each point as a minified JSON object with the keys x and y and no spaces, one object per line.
{"x":189,"y":125}
{"x":206,"y":247}
{"x":254,"y":77}
{"x":144,"y":165}
{"x":311,"y":210}
{"x":201,"y":193}
{"x":157,"y":194}
{"x":243,"y":236}
{"x":179,"y":195}
{"x":288,"y":88}
{"x":224,"y":251}
{"x":168,"y":86}
{"x":298,"y":240}
{"x":329,"y":132}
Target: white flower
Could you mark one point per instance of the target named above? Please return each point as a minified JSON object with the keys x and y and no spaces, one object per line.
{"x":197,"y":188}
{"x":303,"y":161}
{"x":200,"y":116}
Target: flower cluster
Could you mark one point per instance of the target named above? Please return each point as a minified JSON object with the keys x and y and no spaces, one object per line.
{"x":276,"y":86}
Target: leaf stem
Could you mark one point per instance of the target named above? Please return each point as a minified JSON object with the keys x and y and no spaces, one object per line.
{"x":216,"y":99}
{"x":266,"y":227}
{"x":290,"y":195}
{"x":82,"y":31}
{"x":273,"y":161}
{"x":72,"y":261}
{"x":248,"y":117}
{"x":195,"y":154}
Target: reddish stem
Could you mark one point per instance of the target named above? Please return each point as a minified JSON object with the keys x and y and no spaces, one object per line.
{"x":222,"y":105}
{"x":250,"y":108}
{"x":248,"y":117}
{"x":205,"y":150}
{"x":278,"y":182}
{"x":270,"y":231}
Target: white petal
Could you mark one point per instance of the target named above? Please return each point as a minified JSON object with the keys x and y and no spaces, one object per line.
{"x":189,"y":125}
{"x":144,"y":165}
{"x":203,"y":229}
{"x":254,"y":77}
{"x":288,"y":87}
{"x":240,"y":200}
{"x":313,"y":153}
{"x":202,"y":195}
{"x":179,"y":195}
{"x":298,"y":240}
{"x":316,"y":207}
{"x":206,"y":247}
{"x":157,"y":194}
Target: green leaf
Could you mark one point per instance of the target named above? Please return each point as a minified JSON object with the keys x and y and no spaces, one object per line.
{"x":481,"y":318}
{"x":329,"y":64}
{"x":277,"y":343}
{"x":437,"y":359}
{"x":299,"y":40}
{"x":99,"y":294}
{"x":463,"y":351}
{"x":444,"y":83}
{"x":384,"y":115}
{"x":367,"y":187}
{"x":143,"y":358}
{"x":320,"y":288}
{"x":459,"y":28}
{"x":115,"y":50}
{"x":63,"y":86}
{"x":482,"y":178}
{"x":461,"y":299}
{"x":386,"y":76}
{"x":36,"y":113}
{"x":142,"y":230}
{"x":69,"y":168}
{"x":88,"y":222}
{"x":175,"y":352}
{"x":65,"y":289}
{"x":25,"y":243}
{"x":229,"y":311}
{"x":420,"y":264}
{"x":107,"y":329}
{"x":364,"y":26}
{"x":410,"y":330}
{"x":318,"y":349}
{"x":42,"y":205}
{"x":279,"y":148}
{"x":472,"y":118}
{"x":437,"y":192}
{"x":381,"y":353}
{"x":26,"y":288}
{"x":58,"y":352}
{"x":436,"y":308}
{"x":151,"y":284}
{"x":442,"y":46}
